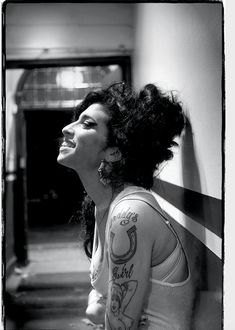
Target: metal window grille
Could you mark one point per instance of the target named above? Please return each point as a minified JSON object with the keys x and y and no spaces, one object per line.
{"x":64,"y":87}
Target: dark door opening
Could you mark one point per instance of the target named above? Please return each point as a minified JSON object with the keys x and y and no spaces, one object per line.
{"x":54,"y":192}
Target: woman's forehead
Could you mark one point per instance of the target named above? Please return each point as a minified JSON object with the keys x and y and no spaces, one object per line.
{"x":96,"y":111}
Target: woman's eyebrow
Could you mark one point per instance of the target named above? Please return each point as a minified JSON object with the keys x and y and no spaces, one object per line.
{"x":85,"y":116}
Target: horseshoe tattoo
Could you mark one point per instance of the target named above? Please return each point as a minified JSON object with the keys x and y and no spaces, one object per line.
{"x":123,"y":258}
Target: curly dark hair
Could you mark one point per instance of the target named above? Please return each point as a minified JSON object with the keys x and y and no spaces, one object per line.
{"x":143,"y":127}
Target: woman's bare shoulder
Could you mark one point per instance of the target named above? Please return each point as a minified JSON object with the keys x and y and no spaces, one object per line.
{"x":136,"y":212}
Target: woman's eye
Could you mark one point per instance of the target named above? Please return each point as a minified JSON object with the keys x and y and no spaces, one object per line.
{"x":88,"y":124}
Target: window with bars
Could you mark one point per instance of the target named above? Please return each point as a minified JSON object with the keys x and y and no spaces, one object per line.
{"x":63,"y":87}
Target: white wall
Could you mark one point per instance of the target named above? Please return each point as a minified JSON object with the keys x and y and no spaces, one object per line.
{"x":68,"y":29}
{"x":179,"y":47}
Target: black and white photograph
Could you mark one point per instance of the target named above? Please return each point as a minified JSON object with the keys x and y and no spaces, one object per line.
{"x":113,"y":168}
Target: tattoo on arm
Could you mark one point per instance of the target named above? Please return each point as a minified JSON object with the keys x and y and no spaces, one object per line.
{"x":123,"y":258}
{"x":122,"y":272}
{"x":121,"y":294}
{"x":120,"y":297}
{"x":125,"y":216}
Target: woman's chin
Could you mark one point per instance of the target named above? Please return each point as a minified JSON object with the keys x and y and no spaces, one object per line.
{"x":66,"y":161}
{"x":63,"y":160}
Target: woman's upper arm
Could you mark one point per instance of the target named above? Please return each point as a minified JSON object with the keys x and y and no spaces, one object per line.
{"x":130,"y":243}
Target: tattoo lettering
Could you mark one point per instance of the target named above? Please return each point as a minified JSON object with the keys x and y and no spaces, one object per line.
{"x":123,"y":272}
{"x":125,"y":216}
{"x":120,"y":297}
{"x":123,"y":258}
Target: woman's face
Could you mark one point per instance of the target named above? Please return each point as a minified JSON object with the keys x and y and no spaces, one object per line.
{"x":85,"y":140}
{"x":115,"y":304}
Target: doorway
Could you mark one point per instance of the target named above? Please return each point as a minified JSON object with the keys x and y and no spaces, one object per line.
{"x":54,"y":192}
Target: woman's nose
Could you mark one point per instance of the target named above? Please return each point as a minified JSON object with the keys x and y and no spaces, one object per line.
{"x":68,"y":130}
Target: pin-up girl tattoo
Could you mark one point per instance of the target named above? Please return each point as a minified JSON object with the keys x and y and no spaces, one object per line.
{"x":120,"y":297}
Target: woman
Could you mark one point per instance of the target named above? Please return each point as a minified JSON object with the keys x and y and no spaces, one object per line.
{"x":139,"y":271}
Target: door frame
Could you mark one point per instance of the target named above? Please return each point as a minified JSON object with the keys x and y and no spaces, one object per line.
{"x":123,"y":61}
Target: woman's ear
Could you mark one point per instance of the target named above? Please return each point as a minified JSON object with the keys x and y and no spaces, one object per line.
{"x":113,"y":154}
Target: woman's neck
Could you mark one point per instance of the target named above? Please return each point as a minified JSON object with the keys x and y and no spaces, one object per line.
{"x":100,"y":194}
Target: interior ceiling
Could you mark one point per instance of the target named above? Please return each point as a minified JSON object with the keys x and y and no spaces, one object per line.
{"x":41,"y":31}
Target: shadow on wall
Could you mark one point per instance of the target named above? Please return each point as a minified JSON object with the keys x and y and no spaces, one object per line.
{"x":191,"y":178}
{"x":200,"y":234}
{"x":190,"y":173}
{"x":205,"y":265}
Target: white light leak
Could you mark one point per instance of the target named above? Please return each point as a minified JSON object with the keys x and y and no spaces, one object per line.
{"x":71,"y":78}
{"x":113,"y":67}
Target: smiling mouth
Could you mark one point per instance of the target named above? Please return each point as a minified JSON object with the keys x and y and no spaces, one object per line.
{"x":68,"y":144}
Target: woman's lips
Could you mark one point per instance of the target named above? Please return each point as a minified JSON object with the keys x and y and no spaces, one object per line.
{"x":68,"y":144}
